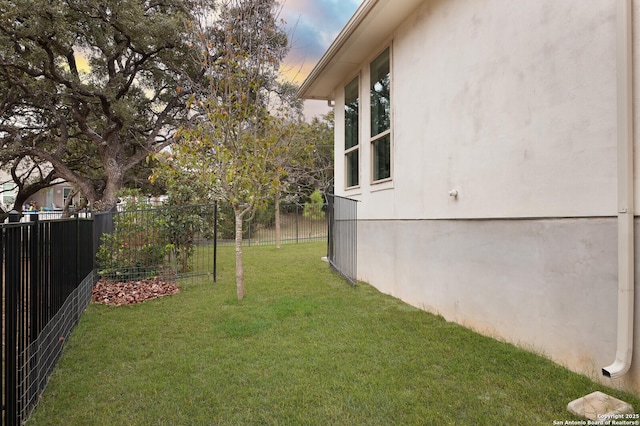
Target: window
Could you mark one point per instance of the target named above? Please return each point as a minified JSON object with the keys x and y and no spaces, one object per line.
{"x":351,"y":133}
{"x":65,"y":194}
{"x":8,"y":194}
{"x":381,"y":117}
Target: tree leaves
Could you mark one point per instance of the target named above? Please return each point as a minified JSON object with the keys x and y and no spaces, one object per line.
{"x":132,"y":292}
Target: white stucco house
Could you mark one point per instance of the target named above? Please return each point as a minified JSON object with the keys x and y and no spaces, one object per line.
{"x":490,"y":144}
{"x":49,"y":199}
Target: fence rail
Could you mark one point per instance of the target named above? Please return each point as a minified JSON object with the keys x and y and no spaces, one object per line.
{"x":46,"y":272}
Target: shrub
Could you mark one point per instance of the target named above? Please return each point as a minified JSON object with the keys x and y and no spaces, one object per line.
{"x":136,"y":249}
{"x":313,"y":208}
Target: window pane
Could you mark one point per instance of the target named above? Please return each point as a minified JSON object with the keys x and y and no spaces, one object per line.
{"x":8,"y":197}
{"x":380,"y":94}
{"x":352,"y":168}
{"x":351,"y":101}
{"x":382,"y":158}
{"x":65,"y":194}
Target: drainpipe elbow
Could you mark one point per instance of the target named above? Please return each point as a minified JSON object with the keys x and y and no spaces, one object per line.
{"x":619,"y":368}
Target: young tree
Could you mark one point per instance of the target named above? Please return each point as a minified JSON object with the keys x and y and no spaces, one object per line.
{"x":93,"y":87}
{"x":232,"y":144}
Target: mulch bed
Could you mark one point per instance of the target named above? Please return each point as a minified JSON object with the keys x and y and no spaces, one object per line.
{"x":131,"y":292}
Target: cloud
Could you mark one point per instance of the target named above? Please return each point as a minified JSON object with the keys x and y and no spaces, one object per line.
{"x":312,"y":26}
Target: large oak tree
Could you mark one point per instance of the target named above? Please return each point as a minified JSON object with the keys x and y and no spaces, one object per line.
{"x":92,"y":87}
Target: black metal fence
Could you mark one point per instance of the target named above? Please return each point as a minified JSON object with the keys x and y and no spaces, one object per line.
{"x":342,"y":250}
{"x":167,"y":242}
{"x":48,"y":269}
{"x":46,"y":272}
{"x":297,"y":223}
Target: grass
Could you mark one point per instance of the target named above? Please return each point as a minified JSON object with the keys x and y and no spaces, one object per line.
{"x":303,"y":347}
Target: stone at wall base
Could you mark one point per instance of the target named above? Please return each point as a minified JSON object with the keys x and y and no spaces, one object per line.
{"x":599,"y":406}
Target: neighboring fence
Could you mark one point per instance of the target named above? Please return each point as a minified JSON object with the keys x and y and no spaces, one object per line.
{"x":46,"y":272}
{"x":298,"y":223}
{"x":342,"y":250}
{"x":31,"y":215}
{"x":167,"y":242}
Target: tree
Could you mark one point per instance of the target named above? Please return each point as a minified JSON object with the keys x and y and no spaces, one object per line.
{"x":232,"y":143}
{"x":306,"y":160}
{"x":93,"y":87}
{"x":320,"y":133}
{"x":316,"y":172}
{"x":29,"y":178}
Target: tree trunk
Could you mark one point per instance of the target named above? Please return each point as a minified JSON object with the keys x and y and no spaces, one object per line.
{"x":277,"y":219}
{"x":239,"y":214}
{"x":65,"y":209}
{"x":114,"y":180}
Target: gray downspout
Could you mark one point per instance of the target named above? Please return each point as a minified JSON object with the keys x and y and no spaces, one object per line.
{"x":626,"y":281}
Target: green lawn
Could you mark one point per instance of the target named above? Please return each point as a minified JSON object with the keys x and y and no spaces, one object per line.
{"x":302,"y":348}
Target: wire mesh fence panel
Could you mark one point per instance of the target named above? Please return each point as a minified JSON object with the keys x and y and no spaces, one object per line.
{"x":343,"y":236}
{"x":46,"y":273}
{"x":295,"y":223}
{"x":168,"y":243}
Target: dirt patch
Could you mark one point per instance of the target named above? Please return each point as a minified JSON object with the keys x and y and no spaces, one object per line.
{"x":131,"y":292}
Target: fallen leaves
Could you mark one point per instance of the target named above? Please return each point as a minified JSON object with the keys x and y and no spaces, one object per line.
{"x":132,"y":292}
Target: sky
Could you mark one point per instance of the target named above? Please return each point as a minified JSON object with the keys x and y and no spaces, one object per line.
{"x":312,"y":25}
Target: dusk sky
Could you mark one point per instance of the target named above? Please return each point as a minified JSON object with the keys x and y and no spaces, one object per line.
{"x":312,"y":26}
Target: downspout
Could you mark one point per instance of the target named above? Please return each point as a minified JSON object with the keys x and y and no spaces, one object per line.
{"x":626,"y":280}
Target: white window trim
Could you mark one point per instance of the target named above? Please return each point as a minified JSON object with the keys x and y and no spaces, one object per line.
{"x":357,"y":147}
{"x":373,"y":139}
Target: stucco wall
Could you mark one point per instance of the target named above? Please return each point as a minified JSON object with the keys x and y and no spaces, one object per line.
{"x":513,"y":104}
{"x":548,"y":285}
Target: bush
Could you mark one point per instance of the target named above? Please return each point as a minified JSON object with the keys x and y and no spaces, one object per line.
{"x":313,"y":208}
{"x":183,"y":227}
{"x":136,"y":249}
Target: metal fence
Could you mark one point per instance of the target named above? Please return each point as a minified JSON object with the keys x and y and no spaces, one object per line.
{"x":48,"y":269}
{"x":167,"y":242}
{"x":342,"y":250}
{"x":297,"y":223}
{"x":33,"y":215}
{"x":46,"y":272}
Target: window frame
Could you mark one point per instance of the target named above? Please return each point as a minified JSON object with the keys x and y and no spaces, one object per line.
{"x":64,"y":197}
{"x":354,"y":149}
{"x":387,"y":133}
{"x":9,"y":193}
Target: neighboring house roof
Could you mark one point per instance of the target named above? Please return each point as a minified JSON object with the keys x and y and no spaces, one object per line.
{"x":369,"y":27}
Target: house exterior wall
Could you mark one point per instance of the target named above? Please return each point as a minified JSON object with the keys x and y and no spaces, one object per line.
{"x":51,"y":198}
{"x":512,"y":104}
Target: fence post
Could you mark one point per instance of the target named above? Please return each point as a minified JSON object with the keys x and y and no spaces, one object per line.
{"x":14,"y":216}
{"x":297,"y":220}
{"x":330,"y":202}
{"x":12,"y":266}
{"x":2,"y":310}
{"x":215,"y":240}
{"x":249,"y":230}
{"x":77,"y":268}
{"x":34,"y":282}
